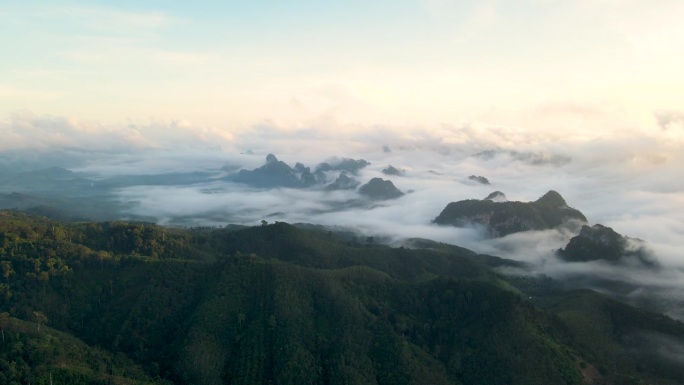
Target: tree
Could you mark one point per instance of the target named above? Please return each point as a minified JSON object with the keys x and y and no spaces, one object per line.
{"x":241,"y":319}
{"x":5,"y":292}
{"x":4,"y":321}
{"x":7,"y":270}
{"x":102,"y":256}
{"x":39,"y":318}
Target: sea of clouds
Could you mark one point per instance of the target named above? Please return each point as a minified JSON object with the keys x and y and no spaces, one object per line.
{"x":631,"y":181}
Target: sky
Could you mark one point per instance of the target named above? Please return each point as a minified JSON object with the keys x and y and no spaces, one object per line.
{"x":579,"y":69}
{"x":585,"y":97}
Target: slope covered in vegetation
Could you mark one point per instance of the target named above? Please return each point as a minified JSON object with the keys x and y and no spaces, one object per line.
{"x":279,"y":304}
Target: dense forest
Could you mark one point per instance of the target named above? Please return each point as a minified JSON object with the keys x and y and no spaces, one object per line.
{"x":136,"y":303}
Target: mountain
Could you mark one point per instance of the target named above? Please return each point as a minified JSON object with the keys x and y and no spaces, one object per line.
{"x":496,"y":196}
{"x":50,"y":181}
{"x":301,"y":168}
{"x":503,"y":218}
{"x":391,"y":170}
{"x":349,"y":165}
{"x":479,"y":179}
{"x":32,"y":352}
{"x":343,"y":182}
{"x":276,"y":173}
{"x":380,"y":189}
{"x":281,"y":304}
{"x":634,"y":344}
{"x":61,"y":208}
{"x":602,"y":243}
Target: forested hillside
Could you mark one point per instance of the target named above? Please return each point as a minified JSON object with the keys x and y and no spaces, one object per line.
{"x":130,"y":303}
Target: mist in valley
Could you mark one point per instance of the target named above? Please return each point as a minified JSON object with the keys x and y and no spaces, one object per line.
{"x":175,"y":175}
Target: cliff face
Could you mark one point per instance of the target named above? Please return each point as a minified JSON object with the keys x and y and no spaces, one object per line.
{"x":501,"y":218}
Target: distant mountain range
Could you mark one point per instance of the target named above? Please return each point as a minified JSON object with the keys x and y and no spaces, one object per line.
{"x":276,"y":173}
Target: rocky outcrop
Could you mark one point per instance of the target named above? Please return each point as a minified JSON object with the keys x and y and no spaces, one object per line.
{"x":479,"y":179}
{"x":349,"y":165}
{"x":496,"y":196}
{"x":602,"y":243}
{"x":503,"y":218}
{"x":276,"y":173}
{"x":380,"y":189}
{"x":391,"y":170}
{"x":343,"y":182}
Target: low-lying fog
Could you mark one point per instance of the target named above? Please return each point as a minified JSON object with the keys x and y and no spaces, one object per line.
{"x":632,"y":182}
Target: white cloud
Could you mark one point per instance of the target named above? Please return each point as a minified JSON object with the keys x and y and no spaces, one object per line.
{"x":26,"y":130}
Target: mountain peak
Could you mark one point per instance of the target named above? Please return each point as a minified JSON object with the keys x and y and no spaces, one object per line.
{"x":270,"y":158}
{"x":479,"y":179}
{"x":343,"y":182}
{"x":496,"y":196}
{"x":553,"y":199}
{"x":378,"y":188}
{"x":502,"y":217}
{"x":391,"y":170}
